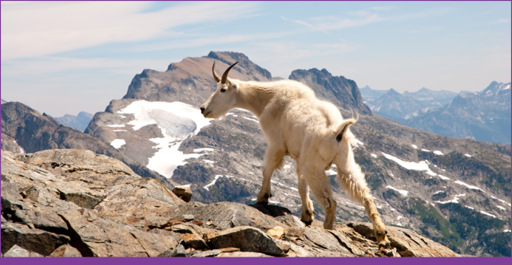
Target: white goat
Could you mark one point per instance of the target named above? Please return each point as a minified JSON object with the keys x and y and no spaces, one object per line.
{"x":309,"y":130}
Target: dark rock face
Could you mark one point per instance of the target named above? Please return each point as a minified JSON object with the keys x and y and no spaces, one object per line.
{"x":73,"y":203}
{"x":336,"y":89}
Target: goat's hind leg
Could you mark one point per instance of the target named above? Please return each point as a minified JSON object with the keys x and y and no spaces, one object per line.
{"x":352,"y":179}
{"x":358,"y":190}
{"x":321,"y":188}
{"x":273,"y":159}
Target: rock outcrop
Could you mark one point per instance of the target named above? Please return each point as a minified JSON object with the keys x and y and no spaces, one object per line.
{"x":337,"y":89}
{"x":76,"y":203}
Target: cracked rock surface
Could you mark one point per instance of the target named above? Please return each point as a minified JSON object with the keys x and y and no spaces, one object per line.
{"x":76,"y":203}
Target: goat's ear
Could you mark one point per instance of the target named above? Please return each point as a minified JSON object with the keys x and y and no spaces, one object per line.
{"x":235,"y":85}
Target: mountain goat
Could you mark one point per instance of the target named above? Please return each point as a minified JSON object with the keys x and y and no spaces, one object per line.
{"x":310,"y":131}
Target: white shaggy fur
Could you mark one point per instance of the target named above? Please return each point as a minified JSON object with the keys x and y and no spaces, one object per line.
{"x":310,"y":131}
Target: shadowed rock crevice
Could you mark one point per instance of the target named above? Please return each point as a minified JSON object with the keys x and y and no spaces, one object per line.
{"x":76,"y":241}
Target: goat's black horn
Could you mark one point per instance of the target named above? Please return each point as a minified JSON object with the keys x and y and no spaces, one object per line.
{"x":225,"y":75}
{"x":217,"y":78}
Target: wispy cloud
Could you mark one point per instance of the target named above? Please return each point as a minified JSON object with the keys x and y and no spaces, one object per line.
{"x":36,"y":29}
{"x":363,"y":17}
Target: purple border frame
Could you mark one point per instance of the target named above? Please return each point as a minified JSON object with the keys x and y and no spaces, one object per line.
{"x":254,"y":261}
{"x":257,"y":261}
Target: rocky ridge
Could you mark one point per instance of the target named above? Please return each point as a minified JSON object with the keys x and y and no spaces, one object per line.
{"x":73,"y":203}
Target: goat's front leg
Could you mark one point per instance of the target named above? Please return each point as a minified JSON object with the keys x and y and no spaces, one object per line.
{"x":273,"y":159}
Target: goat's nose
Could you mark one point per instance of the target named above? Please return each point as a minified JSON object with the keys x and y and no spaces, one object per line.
{"x":202,"y":109}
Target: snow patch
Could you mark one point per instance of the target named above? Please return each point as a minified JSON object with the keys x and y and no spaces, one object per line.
{"x":201,"y":150}
{"x":374,"y":155}
{"x":402,"y":192}
{"x":331,"y":172}
{"x":418,"y":166}
{"x":488,"y":214}
{"x":118,"y":143}
{"x":443,"y":177}
{"x":467,"y":155}
{"x":454,"y":200}
{"x":439,"y":153}
{"x":471,"y":187}
{"x":414,"y":146}
{"x":217,"y":177}
{"x":177,"y":121}
{"x":116,"y":125}
{"x":438,"y":192}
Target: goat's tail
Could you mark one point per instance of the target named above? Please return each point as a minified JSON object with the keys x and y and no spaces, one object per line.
{"x":342,"y":131}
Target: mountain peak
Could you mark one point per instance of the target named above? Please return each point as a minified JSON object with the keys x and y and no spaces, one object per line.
{"x":495,"y":88}
{"x":393,"y":92}
{"x":337,"y":89}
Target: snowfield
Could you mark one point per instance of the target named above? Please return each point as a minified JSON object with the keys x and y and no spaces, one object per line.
{"x":177,"y":121}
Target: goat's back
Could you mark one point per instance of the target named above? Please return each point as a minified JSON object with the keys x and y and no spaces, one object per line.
{"x":297,"y":118}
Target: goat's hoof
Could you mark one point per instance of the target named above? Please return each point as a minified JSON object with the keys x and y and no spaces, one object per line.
{"x":263,"y":199}
{"x":307,"y":222}
{"x":384,"y":243}
{"x":262,"y":202}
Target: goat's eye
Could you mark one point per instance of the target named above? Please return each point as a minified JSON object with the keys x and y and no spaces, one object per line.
{"x":222,"y":90}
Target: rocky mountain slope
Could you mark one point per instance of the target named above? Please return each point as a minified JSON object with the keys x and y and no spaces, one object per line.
{"x":482,"y":116}
{"x":26,"y":130}
{"x":454,"y":191}
{"x":75,"y":203}
{"x":78,"y":122}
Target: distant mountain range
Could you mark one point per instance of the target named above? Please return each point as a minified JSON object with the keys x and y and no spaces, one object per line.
{"x":455,"y":191}
{"x":481,"y":116}
{"x":78,"y":122}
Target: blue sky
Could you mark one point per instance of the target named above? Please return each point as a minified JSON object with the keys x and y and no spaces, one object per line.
{"x":66,"y":57}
